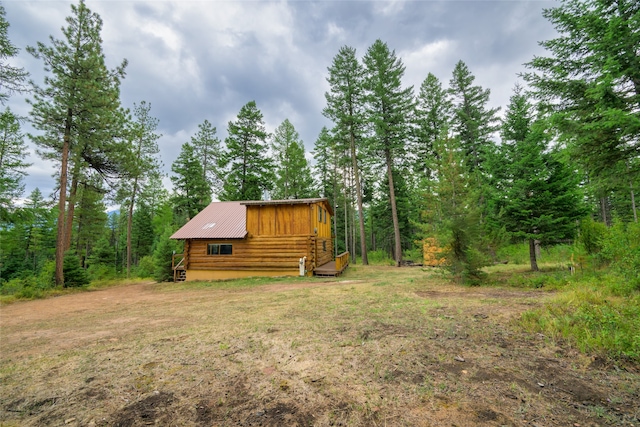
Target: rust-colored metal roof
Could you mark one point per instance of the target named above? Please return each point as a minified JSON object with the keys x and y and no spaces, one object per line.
{"x":290,"y":202}
{"x":219,"y":220}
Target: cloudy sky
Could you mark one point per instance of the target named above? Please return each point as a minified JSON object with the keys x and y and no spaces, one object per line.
{"x":197,"y":60}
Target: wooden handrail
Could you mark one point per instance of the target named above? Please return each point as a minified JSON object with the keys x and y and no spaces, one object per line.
{"x":173,"y":261}
{"x":342,"y":261}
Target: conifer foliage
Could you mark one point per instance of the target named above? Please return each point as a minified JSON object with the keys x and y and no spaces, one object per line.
{"x":77,"y":108}
{"x":539,"y":197}
{"x":397,"y":167}
{"x":248,"y":172}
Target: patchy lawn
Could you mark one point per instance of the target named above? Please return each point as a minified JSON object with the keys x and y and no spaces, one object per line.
{"x":377,"y":346}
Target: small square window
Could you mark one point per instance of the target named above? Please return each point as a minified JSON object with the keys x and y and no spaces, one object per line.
{"x":216,"y":249}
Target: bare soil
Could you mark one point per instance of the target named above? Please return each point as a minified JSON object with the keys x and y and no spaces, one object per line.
{"x":378,"y":346}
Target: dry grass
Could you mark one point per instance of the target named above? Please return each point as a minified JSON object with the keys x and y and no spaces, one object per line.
{"x":375,"y":347}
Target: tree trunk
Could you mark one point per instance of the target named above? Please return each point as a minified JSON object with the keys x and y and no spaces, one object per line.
{"x":532,"y":255}
{"x":71,"y":203}
{"x":633,"y":202}
{"x":603,"y":210}
{"x":335,"y":203}
{"x":130,"y":225}
{"x":60,"y":238}
{"x":346,"y":214}
{"x":394,"y":211}
{"x":356,"y":173}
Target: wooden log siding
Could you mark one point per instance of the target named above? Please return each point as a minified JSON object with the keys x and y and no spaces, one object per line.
{"x":324,"y":256}
{"x":278,"y":220}
{"x":278,"y":235}
{"x":253,"y":253}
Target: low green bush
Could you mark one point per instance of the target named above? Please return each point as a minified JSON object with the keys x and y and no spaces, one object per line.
{"x":380,"y":257}
{"x":101,"y":272}
{"x":24,"y":287}
{"x":598,"y":313}
{"x":146,"y":267}
{"x":621,"y":249}
{"x":74,"y":275}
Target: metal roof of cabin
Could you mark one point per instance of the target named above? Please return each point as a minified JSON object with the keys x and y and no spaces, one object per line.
{"x":228,"y":220}
{"x":219,"y":220}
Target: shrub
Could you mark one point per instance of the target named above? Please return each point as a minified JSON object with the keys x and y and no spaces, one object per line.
{"x":145,"y":267}
{"x":47,"y":276}
{"x":592,"y":235}
{"x":621,"y":248}
{"x":74,"y":274}
{"x":380,"y":257}
{"x":102,"y":272}
{"x":597,"y":313}
{"x":26,"y":286}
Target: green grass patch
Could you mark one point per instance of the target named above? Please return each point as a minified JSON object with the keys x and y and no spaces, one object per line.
{"x":518,"y":254}
{"x":597,"y":313}
{"x":549,"y":277}
{"x":247,"y":282}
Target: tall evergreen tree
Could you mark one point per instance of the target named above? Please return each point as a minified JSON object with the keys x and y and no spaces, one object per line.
{"x":389,"y":111}
{"x":451,"y":212}
{"x":140,"y":164}
{"x":293,"y":175}
{"x":540,"y":198}
{"x":29,"y":240}
{"x":206,"y":146}
{"x":473,"y":122}
{"x":346,"y":108}
{"x":191,"y":192}
{"x":323,"y":155}
{"x":12,"y":79}
{"x":433,"y":115}
{"x":91,"y":217}
{"x":78,"y":107}
{"x":247,"y":167}
{"x":590,"y":83}
{"x":13,"y":151}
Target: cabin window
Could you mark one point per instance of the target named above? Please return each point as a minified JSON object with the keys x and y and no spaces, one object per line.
{"x":325,"y":217}
{"x":324,"y":246}
{"x":216,"y":249}
{"x":319,"y":214}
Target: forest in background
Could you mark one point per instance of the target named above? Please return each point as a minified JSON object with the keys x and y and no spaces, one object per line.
{"x":400,"y":164}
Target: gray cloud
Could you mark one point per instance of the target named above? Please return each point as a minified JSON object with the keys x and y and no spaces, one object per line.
{"x":200,"y":60}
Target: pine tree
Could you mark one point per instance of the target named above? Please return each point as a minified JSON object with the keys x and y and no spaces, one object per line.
{"x":323,"y":155}
{"x":389,"y":112}
{"x":433,"y":115}
{"x":140,"y":164}
{"x":91,"y":216}
{"x":78,"y":109}
{"x":590,"y":83}
{"x":162,"y":255}
{"x":473,"y":122}
{"x":206,"y":146}
{"x":247,"y":167}
{"x":293,"y":175}
{"x":191,"y":192}
{"x":12,"y":79}
{"x":540,"y":198}
{"x":451,"y":212}
{"x":13,"y":151}
{"x":346,"y":108}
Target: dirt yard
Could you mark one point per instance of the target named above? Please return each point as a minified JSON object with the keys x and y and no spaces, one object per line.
{"x":378,"y":346}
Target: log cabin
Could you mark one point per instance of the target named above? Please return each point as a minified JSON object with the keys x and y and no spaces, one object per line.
{"x":258,"y":238}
